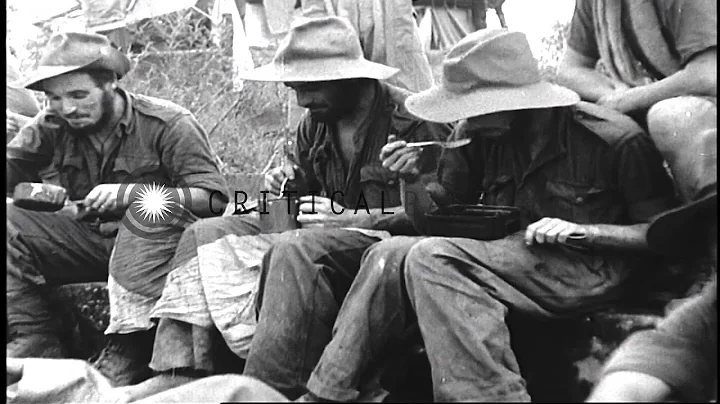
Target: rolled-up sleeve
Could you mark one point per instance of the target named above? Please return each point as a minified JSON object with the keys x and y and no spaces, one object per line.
{"x":645,"y":184}
{"x":581,"y":37}
{"x":693,"y":24}
{"x":185,"y":150}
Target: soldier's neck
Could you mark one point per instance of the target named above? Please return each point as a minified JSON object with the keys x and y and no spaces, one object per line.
{"x":363,"y":108}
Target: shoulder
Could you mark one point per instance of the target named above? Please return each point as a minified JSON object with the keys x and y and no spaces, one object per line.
{"x":163,"y":110}
{"x":674,"y":8}
{"x":613,"y":127}
{"x":584,"y":14}
{"x":407,"y":125}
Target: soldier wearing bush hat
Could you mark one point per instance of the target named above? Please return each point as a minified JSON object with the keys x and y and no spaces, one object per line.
{"x":585,"y":182}
{"x":351,"y":114}
{"x":72,"y":51}
{"x":98,"y":145}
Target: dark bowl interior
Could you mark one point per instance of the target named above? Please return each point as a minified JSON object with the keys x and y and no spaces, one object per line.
{"x":40,"y":206}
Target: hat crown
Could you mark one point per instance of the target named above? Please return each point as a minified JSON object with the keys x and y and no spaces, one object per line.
{"x":70,"y":51}
{"x":490,"y":58}
{"x":74,"y":48}
{"x":318,"y":39}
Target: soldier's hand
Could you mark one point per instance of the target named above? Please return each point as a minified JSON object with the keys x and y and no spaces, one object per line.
{"x":399,"y":158}
{"x":103,"y":198}
{"x":275,"y":177}
{"x":553,"y":230}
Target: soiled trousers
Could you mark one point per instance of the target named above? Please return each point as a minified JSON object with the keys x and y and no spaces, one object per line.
{"x":46,"y":249}
{"x":461,"y":291}
{"x":303,"y":283}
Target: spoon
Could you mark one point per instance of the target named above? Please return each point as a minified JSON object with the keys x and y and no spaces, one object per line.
{"x":451,"y":144}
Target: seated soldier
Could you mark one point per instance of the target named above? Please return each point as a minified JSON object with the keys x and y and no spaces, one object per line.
{"x":356,"y":203}
{"x":586,"y":181}
{"x":105,"y":146}
{"x":677,"y":361}
{"x":658,"y":63}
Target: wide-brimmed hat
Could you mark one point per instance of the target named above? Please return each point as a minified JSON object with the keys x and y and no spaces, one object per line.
{"x":319,"y":49}
{"x":71,"y":51}
{"x":488,"y":71}
{"x":679,"y":229}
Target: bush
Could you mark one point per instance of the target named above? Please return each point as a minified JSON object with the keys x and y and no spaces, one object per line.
{"x":553,"y":48}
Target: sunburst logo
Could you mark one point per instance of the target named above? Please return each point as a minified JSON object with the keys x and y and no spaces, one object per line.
{"x":153,"y":202}
{"x":156,"y":207}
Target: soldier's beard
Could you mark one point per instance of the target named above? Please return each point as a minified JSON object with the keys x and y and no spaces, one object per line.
{"x":106,"y":104}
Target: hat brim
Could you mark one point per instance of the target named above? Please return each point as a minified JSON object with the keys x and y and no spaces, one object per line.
{"x":46,"y":72}
{"x":440,"y":105}
{"x":319,"y":70}
{"x":677,"y":229}
{"x":110,"y":59}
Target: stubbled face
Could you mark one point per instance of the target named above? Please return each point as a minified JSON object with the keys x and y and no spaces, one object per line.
{"x":79,"y":101}
{"x":328,"y":101}
{"x":493,"y":126}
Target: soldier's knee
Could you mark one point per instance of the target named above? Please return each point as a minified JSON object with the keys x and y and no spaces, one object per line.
{"x":671,"y":122}
{"x":386,"y":258}
{"x":429,"y":254}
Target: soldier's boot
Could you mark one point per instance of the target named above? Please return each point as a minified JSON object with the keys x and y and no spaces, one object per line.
{"x":125,"y":358}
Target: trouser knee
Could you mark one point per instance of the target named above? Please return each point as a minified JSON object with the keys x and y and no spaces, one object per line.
{"x":675,"y":123}
{"x":684,"y":129}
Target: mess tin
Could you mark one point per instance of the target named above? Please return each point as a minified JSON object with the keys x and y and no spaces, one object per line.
{"x":479,"y":222}
{"x":42,"y":197}
{"x":279,"y":214}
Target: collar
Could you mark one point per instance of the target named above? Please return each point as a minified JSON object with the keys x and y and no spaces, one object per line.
{"x":127,"y":121}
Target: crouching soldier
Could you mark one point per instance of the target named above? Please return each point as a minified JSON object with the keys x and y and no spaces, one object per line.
{"x":115,"y":154}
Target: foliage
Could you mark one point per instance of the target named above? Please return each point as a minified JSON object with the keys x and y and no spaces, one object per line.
{"x":553,"y":47}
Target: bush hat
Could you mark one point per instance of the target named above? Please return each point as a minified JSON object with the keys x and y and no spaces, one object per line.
{"x":488,"y":71}
{"x":72,"y":51}
{"x":319,"y":49}
{"x":678,"y":229}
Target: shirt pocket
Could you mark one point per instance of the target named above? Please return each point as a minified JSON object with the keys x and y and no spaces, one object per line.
{"x":582,"y":203}
{"x":141,"y":169}
{"x":380,"y":186}
{"x":69,"y":172}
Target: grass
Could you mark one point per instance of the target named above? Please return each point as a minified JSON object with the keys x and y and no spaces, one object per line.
{"x":245,"y":127}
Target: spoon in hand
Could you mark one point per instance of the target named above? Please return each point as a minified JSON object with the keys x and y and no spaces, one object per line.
{"x":451,"y":144}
